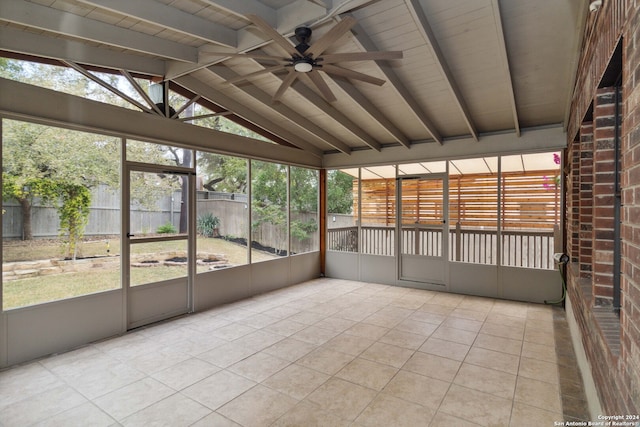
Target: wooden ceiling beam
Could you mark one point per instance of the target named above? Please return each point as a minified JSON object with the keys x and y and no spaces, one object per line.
{"x":246,"y":7}
{"x":328,"y":109}
{"x":170,"y":17}
{"x":504,"y":56}
{"x":196,"y":86}
{"x":361,"y":38}
{"x":219,"y":111}
{"x":283,"y":20}
{"x":60,"y":22}
{"x":373,"y":112}
{"x":432,"y":43}
{"x":288,"y":113}
{"x":41,"y":46}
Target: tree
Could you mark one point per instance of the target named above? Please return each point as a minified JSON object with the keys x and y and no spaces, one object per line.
{"x":183,"y":158}
{"x":268,"y":191}
{"x":269,"y":197}
{"x":22,"y":179}
{"x":304,"y":185}
{"x":59,"y":166}
{"x":75,"y":200}
{"x":37,"y":161}
{"x":304,"y":189}
{"x":49,"y":163}
{"x":339,"y":192}
{"x":223,"y":173}
{"x":223,"y":124}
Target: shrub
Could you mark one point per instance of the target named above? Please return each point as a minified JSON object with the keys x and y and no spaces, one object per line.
{"x":207,"y":225}
{"x":167,"y":228}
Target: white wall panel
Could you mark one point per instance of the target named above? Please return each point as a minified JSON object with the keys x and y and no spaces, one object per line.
{"x":221,"y":286}
{"x":158,"y":301}
{"x":270,"y":275}
{"x":342,"y":265}
{"x":304,"y":267}
{"x":378,"y":269}
{"x":473,"y":279}
{"x":62,"y":325}
{"x":527,"y":284}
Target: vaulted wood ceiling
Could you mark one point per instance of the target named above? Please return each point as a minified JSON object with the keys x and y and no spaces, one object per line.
{"x":469,"y":67}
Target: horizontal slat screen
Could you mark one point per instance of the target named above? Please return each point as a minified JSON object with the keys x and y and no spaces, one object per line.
{"x":530,"y":200}
{"x":378,"y":202}
{"x":422,"y":201}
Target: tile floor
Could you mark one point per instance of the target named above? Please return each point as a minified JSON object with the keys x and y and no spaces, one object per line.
{"x":323,"y":353}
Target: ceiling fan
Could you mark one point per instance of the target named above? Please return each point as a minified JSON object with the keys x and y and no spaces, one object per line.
{"x":305,"y":61}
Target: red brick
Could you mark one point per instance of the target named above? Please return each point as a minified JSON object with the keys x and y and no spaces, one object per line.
{"x":604,"y":257}
{"x":617,"y":378}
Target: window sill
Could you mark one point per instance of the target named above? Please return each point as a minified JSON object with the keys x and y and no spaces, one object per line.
{"x":609,"y":325}
{"x":607,"y":321}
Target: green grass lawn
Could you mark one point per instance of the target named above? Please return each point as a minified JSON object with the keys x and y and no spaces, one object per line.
{"x":51,"y":249}
{"x":34,"y":290}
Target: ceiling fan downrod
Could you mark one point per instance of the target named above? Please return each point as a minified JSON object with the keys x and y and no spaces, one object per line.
{"x":303,"y":35}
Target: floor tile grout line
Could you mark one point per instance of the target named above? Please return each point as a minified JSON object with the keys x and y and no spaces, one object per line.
{"x":335,"y":299}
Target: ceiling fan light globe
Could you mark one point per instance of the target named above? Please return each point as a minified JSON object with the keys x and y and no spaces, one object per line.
{"x":302,"y":67}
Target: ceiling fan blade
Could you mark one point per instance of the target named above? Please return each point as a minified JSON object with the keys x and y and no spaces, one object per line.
{"x":361,"y":56}
{"x":350,"y":74}
{"x":248,"y":55}
{"x":322,"y":86}
{"x":278,"y":38}
{"x":285,"y":84}
{"x":330,"y":37}
{"x":256,"y":73}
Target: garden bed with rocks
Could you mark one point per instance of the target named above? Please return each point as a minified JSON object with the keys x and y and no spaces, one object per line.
{"x":24,"y":269}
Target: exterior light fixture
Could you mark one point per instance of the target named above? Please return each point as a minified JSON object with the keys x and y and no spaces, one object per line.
{"x":595,"y":5}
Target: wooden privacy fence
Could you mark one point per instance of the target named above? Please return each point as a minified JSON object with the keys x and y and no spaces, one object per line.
{"x":105,"y":218}
{"x":234,"y":218}
{"x":528,"y":200}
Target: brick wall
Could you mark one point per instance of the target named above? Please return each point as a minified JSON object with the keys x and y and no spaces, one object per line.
{"x":572,"y":222}
{"x":604,"y":115}
{"x":612,"y":346}
{"x":585,"y":201}
{"x":630,"y":319}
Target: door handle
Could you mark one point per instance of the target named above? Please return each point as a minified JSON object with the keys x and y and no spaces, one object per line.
{"x":130,"y":235}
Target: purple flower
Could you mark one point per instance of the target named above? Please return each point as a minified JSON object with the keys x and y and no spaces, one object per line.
{"x":556,"y":158}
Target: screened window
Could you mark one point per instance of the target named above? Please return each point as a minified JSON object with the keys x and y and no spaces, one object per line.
{"x":222,"y":211}
{"x":342,"y":212}
{"x":378,"y":210}
{"x":530,"y":209}
{"x":473,"y":210}
{"x":269,"y":225}
{"x":304,"y":188}
{"x":158,"y":154}
{"x":61,"y":213}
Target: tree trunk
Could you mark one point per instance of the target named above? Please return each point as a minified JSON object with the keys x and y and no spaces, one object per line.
{"x":27,"y":231}
{"x":184,"y":205}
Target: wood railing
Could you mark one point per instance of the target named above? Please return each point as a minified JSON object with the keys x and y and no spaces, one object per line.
{"x":420,"y":240}
{"x":378,"y":240}
{"x":532,"y":249}
{"x":343,"y":239}
{"x":473,"y":245}
{"x":520,"y":248}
